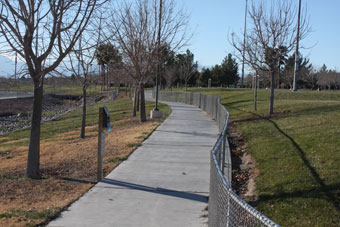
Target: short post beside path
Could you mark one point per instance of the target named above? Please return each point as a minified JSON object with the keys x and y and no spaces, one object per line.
{"x":103,"y":122}
{"x":164,"y":182}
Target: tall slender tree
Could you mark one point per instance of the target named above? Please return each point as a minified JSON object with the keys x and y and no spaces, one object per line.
{"x":38,"y":30}
{"x":273,"y":27}
{"x":187,"y":66}
{"x":135,"y":27}
{"x":81,"y":62}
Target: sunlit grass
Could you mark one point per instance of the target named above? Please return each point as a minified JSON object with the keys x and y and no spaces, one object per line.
{"x":118,"y":109}
{"x":297,"y":151}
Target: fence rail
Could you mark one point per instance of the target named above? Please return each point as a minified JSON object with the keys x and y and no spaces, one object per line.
{"x":226,"y":208}
{"x":15,"y":94}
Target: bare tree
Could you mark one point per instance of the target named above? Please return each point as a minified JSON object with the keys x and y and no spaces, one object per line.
{"x":136,"y":27}
{"x":328,"y":79}
{"x":81,"y":62}
{"x":170,"y":73}
{"x":42,"y":33}
{"x":187,"y":67}
{"x":271,"y":37}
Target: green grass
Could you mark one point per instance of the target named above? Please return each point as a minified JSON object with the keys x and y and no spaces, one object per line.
{"x":59,"y":89}
{"x":5,"y":152}
{"x":9,"y":176}
{"x":134,"y":144}
{"x":117,"y":159}
{"x":72,"y":121}
{"x":297,"y":152}
{"x":31,"y":214}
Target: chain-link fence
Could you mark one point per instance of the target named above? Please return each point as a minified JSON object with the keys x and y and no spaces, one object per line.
{"x":225,"y":207}
{"x":114,"y":93}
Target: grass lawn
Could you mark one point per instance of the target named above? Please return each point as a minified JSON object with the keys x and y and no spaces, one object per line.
{"x":297,"y":151}
{"x":68,"y":163}
{"x":60,"y":89}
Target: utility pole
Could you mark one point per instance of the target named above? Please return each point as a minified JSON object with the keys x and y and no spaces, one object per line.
{"x":296,"y":69}
{"x":155,"y":113}
{"x":244,"y":41}
{"x":158,"y":51}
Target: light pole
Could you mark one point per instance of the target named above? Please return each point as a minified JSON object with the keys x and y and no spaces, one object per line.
{"x":155,"y":113}
{"x":296,"y":68}
{"x":158,"y":51}
{"x":244,"y":41}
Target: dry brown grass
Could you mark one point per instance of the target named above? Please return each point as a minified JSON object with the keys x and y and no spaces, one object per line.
{"x":68,"y":167}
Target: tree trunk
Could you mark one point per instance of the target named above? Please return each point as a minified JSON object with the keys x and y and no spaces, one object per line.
{"x":107,"y":79}
{"x":142,"y":103}
{"x":83,"y":119}
{"x":255,"y":93}
{"x":138,"y":98}
{"x":135,"y":102}
{"x":271,"y":106}
{"x":186,"y":86}
{"x":103,"y":78}
{"x":33,"y":159}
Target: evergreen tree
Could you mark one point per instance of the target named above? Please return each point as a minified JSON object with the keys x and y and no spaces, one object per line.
{"x":305,"y":73}
{"x":205,"y":76}
{"x":229,"y":71}
{"x":216,"y":72}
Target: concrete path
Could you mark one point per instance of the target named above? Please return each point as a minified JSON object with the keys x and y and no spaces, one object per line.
{"x":165,"y":182}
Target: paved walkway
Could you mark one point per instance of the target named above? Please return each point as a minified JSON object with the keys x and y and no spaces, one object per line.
{"x":165,"y":182}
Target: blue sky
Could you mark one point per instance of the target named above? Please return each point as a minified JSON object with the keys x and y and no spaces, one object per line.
{"x":214,"y":20}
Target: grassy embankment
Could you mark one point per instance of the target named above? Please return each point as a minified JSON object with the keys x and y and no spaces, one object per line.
{"x":68,"y":163}
{"x":58,"y":89}
{"x":297,"y":151}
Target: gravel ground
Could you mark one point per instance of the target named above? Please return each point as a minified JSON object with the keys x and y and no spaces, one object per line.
{"x":16,"y":114}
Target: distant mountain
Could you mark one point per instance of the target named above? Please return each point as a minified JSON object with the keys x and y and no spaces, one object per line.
{"x":7,"y":66}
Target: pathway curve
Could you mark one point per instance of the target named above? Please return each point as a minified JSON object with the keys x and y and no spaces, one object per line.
{"x":165,"y":182}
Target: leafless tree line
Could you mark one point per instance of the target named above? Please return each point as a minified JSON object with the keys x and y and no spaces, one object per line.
{"x":47,"y":33}
{"x":309,"y":78}
{"x":272,"y":36}
{"x":328,"y":80}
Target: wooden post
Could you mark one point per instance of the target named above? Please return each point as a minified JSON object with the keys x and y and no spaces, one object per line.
{"x":101,"y":144}
{"x":255,"y":92}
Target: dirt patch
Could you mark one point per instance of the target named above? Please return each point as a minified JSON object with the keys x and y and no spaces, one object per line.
{"x":68,"y":168}
{"x":244,"y":168}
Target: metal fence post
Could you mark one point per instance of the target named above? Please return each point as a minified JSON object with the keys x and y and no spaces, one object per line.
{"x":228,"y":209}
{"x":223,"y":152}
{"x":199,"y":101}
{"x":217,"y":102}
{"x":225,"y":207}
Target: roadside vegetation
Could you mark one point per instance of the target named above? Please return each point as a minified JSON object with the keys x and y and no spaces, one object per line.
{"x":72,"y":88}
{"x":297,"y":151}
{"x":68,"y":163}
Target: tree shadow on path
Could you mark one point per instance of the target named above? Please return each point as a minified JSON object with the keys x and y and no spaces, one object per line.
{"x":162,"y":191}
